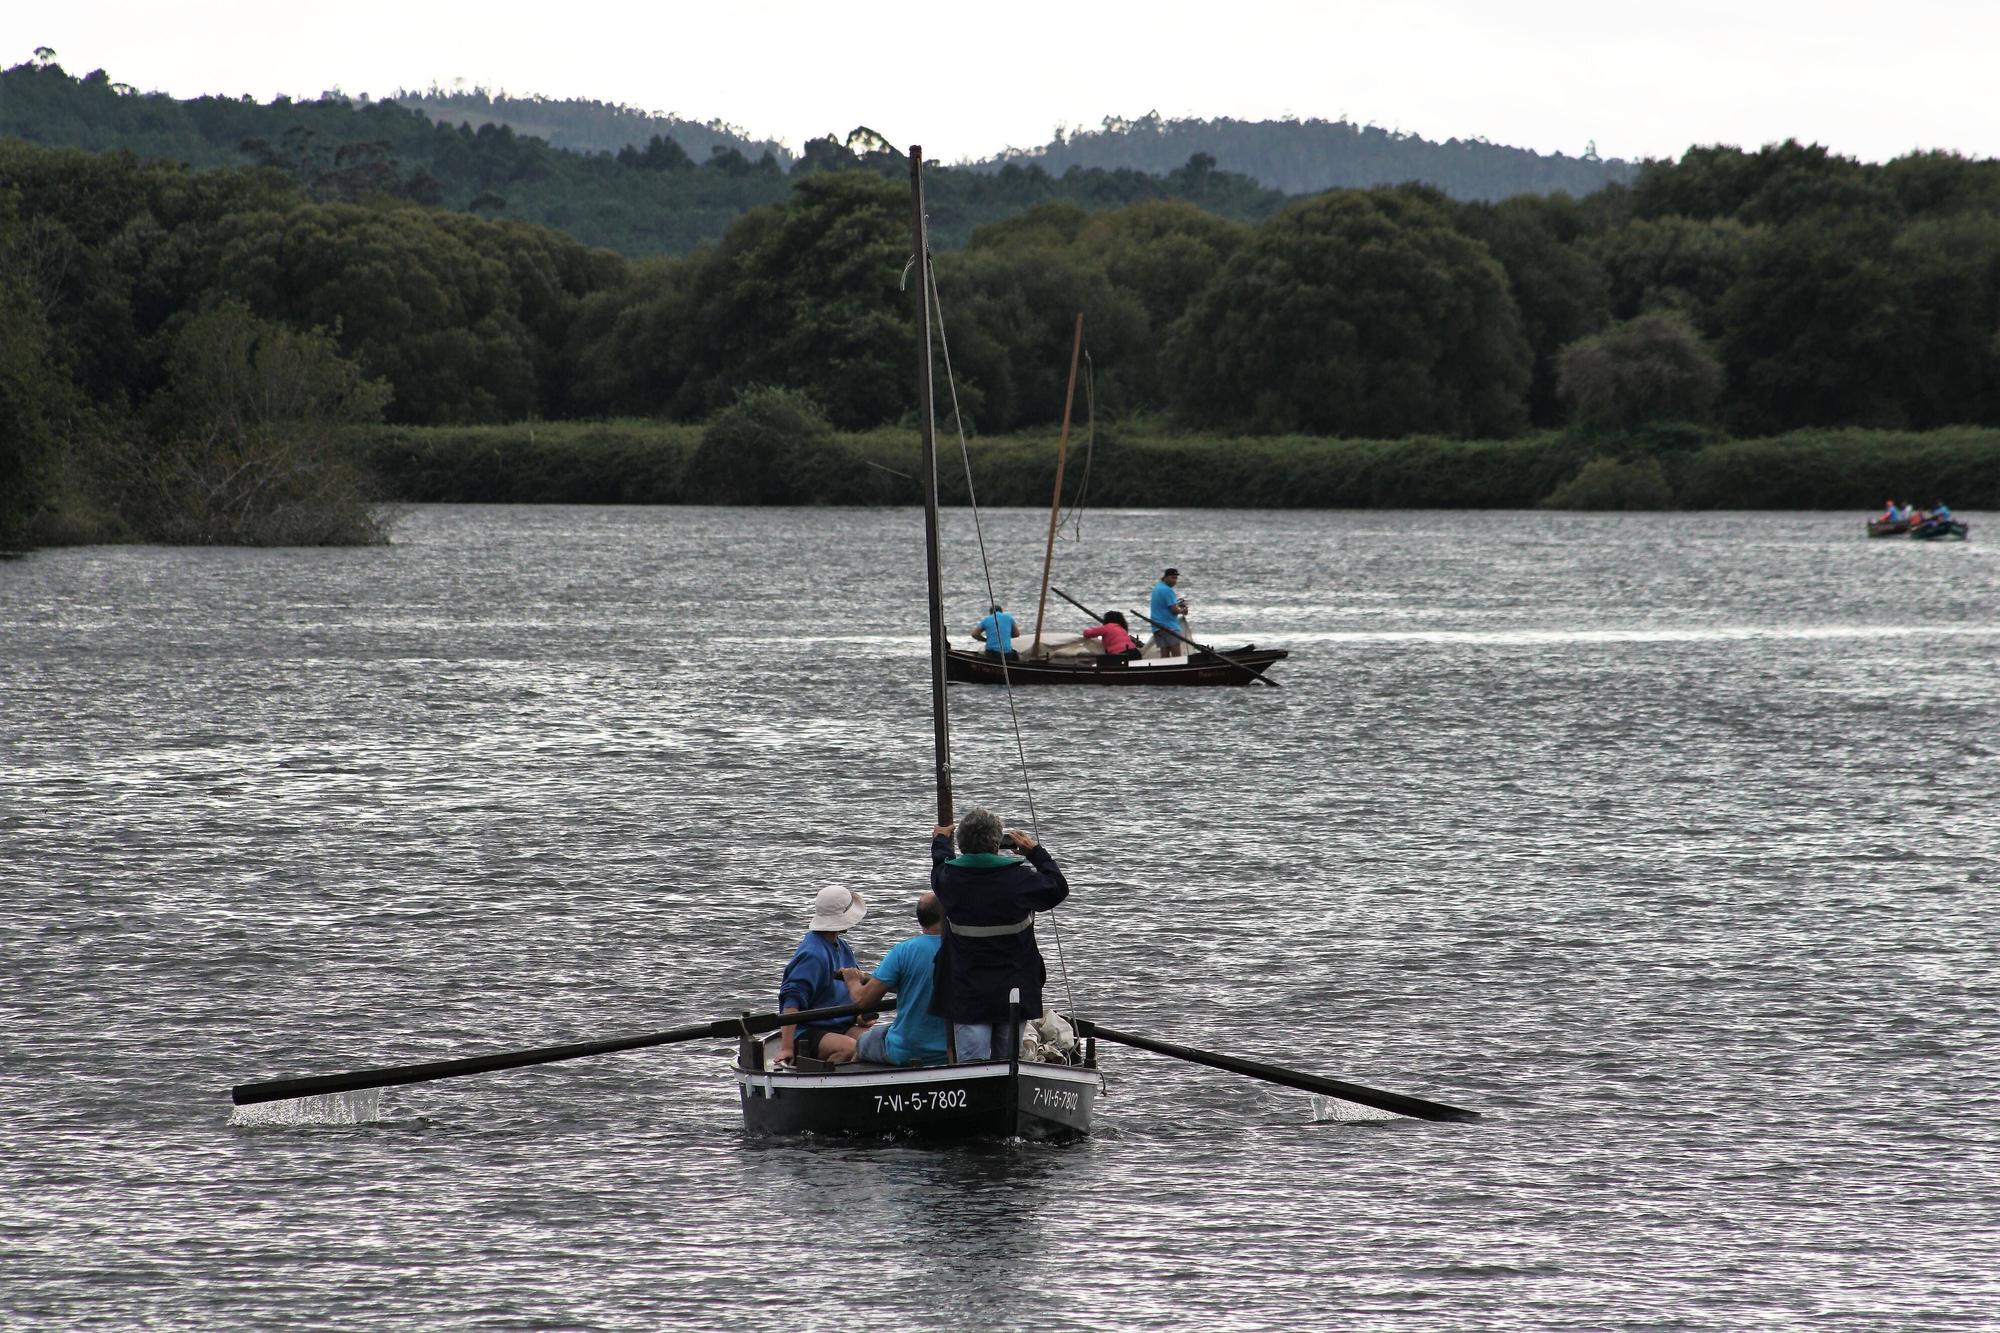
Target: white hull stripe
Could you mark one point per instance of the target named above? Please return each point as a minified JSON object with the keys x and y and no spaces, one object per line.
{"x":903,"y":1078}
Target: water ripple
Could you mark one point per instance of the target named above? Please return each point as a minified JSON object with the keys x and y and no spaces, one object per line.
{"x":1664,"y":840}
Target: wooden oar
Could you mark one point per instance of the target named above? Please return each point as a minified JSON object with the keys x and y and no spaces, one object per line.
{"x":1396,"y":1102}
{"x":276,"y":1090}
{"x":1253,"y":673}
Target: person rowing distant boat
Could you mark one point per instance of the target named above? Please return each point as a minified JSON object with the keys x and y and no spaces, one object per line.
{"x":1167,"y":608}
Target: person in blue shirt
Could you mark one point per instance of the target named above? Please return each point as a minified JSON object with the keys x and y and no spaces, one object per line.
{"x":917,"y":1035}
{"x":1942,"y":513}
{"x":997,"y":632}
{"x":1167,"y":610}
{"x":821,"y":975}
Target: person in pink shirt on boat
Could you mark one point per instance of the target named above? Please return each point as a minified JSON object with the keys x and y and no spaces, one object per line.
{"x":1119,"y":645}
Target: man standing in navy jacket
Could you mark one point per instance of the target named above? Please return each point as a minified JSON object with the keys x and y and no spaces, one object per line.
{"x":988,"y":948}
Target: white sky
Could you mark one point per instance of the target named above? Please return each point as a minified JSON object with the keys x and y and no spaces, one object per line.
{"x":1867,"y":78}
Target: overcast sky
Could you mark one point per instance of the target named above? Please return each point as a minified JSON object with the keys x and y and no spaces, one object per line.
{"x":1869,"y":79}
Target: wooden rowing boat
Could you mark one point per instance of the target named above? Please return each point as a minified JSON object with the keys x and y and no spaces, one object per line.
{"x":1239,"y":666}
{"x":1078,"y":661}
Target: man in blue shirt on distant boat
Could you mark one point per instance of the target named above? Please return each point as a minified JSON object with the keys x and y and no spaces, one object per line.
{"x":997,"y":632}
{"x":917,"y":1036}
{"x":1166,"y":613}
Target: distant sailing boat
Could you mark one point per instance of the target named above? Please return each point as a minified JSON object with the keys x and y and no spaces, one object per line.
{"x":1076,"y":661}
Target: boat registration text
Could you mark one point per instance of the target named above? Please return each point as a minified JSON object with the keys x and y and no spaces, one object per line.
{"x":924,"y":1099}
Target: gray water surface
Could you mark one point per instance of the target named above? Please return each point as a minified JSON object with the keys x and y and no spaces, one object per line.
{"x":1670,"y":842}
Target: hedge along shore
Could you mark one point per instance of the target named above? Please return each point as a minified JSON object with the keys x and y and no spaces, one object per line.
{"x":1142,"y":464}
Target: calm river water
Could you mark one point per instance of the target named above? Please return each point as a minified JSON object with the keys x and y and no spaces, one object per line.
{"x":1668,"y":841}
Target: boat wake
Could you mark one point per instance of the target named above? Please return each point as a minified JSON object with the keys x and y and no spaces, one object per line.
{"x":333,"y":1108}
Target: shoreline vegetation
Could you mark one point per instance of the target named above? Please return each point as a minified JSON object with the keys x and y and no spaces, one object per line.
{"x":1144,"y":464}
{"x":268,"y":354}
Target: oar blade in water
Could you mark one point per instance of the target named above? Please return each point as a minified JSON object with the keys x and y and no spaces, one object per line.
{"x":329,"y":1108}
{"x":1417,"y":1108}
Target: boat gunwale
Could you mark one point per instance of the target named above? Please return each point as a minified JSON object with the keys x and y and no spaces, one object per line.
{"x":904,"y":1075}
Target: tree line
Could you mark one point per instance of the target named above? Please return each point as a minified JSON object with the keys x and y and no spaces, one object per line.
{"x":585,"y":125}
{"x":1741,"y":292}
{"x":1308,"y":156}
{"x":772,"y":446}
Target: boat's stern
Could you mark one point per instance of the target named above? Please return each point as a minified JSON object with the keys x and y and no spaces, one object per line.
{"x":991,"y":1099}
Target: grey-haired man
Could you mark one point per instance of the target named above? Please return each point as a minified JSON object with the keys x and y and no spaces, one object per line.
{"x":988,"y":947}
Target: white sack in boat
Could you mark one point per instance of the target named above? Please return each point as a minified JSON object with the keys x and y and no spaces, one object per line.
{"x":1072,"y":645}
{"x":1048,"y":1039}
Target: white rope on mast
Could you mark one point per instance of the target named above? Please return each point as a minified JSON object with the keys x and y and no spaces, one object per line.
{"x":992,"y":599}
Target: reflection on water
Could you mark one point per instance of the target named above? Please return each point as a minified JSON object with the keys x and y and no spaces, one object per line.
{"x":1664,"y":840}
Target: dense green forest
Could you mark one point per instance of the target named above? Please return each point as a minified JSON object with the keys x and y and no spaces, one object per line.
{"x":187,"y":353}
{"x":1308,"y":156}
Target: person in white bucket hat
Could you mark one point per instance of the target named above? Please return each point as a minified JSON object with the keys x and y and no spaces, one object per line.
{"x":823,"y":973}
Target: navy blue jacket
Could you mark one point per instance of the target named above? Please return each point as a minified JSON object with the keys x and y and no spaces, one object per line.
{"x":988,"y":946}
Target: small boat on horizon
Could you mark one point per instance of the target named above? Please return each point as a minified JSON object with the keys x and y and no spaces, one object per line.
{"x":1919,"y":525}
{"x":1935,"y":529}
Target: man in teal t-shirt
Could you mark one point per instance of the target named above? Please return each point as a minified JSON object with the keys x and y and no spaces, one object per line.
{"x":1166,"y":609}
{"x":917,"y":1036}
{"x":997,"y":632}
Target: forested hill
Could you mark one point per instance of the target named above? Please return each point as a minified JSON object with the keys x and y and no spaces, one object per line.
{"x":1307,"y":156}
{"x":651,"y":200}
{"x":587,"y":126}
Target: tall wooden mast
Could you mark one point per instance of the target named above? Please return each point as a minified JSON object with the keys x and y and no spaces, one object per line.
{"x":1055,"y":505}
{"x":940,"y":722}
